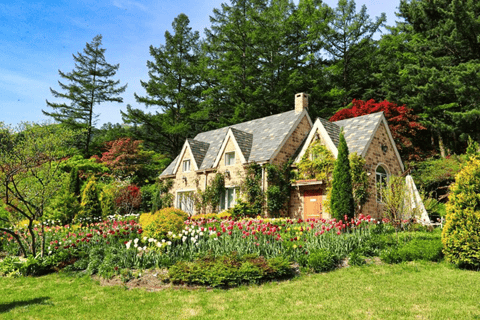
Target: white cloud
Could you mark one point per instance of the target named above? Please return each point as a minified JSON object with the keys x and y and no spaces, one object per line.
{"x":128,"y":4}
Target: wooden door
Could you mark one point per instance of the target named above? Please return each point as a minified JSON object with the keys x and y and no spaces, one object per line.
{"x":313,"y":204}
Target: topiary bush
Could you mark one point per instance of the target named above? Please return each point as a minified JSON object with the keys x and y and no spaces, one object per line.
{"x":157,"y":225}
{"x":461,"y":234}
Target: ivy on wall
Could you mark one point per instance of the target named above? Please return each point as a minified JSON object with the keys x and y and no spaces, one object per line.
{"x":210,"y":198}
{"x":317,"y":163}
{"x":278,"y":191}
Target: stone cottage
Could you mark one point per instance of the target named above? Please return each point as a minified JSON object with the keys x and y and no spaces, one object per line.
{"x":276,"y":139}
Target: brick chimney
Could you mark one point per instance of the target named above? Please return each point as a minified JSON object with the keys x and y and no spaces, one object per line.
{"x":301,"y":102}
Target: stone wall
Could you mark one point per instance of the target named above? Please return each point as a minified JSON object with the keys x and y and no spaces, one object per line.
{"x":374,"y":157}
{"x":293,"y":142}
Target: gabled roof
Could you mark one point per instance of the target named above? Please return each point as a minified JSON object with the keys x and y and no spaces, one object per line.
{"x":198,"y":148}
{"x":258,"y":140}
{"x":358,"y":132}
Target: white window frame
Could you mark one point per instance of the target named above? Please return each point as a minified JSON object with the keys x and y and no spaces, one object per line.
{"x":184,"y":201}
{"x":229,"y":158}
{"x":186,"y":165}
{"x":381,"y":180}
{"x":225,"y":202}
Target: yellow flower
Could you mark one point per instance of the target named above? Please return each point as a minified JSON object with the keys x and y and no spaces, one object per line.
{"x":294,"y":246}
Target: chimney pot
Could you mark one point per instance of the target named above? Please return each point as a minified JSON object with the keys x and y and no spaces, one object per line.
{"x":301,"y":102}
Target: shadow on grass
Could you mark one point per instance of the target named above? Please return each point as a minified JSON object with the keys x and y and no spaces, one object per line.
{"x":5,"y":307}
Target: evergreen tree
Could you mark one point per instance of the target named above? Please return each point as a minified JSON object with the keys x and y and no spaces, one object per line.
{"x":89,"y":85}
{"x":174,"y":87}
{"x":74,"y":182}
{"x":348,"y":40}
{"x":341,"y":201}
{"x":432,"y":64}
{"x":91,"y":207}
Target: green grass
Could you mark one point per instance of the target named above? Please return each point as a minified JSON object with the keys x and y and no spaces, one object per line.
{"x":418,"y":290}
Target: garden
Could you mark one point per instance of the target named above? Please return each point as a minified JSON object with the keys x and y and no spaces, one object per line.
{"x":70,"y":218}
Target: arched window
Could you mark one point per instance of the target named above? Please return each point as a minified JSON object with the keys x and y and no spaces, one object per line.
{"x":381,"y":176}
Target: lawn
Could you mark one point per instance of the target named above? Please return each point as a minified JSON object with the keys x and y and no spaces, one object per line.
{"x":421,"y":290}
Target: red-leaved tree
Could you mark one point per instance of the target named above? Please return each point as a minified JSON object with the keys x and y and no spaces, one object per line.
{"x":123,"y":156}
{"x":402,"y":122}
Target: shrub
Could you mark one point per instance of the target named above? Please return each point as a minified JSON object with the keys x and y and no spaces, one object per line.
{"x":322,"y":260}
{"x":417,"y":249}
{"x":91,"y":207}
{"x":461,"y":234}
{"x":230,"y":270}
{"x":63,"y":207}
{"x":158,"y":224}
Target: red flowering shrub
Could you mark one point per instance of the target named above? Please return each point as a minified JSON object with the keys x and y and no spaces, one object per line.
{"x":128,"y":200}
{"x":402,"y":122}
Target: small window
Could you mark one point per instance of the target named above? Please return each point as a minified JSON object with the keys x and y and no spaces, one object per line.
{"x":186,"y":165}
{"x":381,"y":177}
{"x":230,"y":158}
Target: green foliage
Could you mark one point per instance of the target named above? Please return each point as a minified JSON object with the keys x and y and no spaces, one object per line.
{"x":74,"y":182}
{"x":251,"y":187}
{"x":174,"y":86}
{"x":91,"y":207}
{"x":161,"y":198}
{"x":107,"y":199}
{"x":416,"y":249}
{"x":359,"y":181}
{"x":157,"y":225}
{"x":341,"y":199}
{"x":209,"y":200}
{"x":395,"y":198}
{"x":241,"y":210}
{"x":278,"y":191}
{"x":435,"y":175}
{"x":461,"y":233}
{"x":322,"y":260}
{"x":63,"y":207}
{"x":317,"y":163}
{"x":229,"y":270}
{"x":30,"y":175}
{"x":89,"y":84}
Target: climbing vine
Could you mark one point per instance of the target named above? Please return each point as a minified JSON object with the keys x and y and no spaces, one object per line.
{"x":317,"y":163}
{"x":278,"y":191}
{"x":251,"y":188}
{"x":211,"y":197}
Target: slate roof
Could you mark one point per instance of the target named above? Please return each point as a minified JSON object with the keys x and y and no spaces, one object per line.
{"x":258,"y":139}
{"x":358,"y":131}
{"x":199,"y":148}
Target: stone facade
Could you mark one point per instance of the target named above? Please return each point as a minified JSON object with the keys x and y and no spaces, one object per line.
{"x":374,"y":157}
{"x":293,"y":142}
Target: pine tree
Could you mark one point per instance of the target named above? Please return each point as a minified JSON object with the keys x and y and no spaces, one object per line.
{"x":88,"y":84}
{"x":348,"y":40}
{"x":341,"y":201}
{"x":431,"y":63}
{"x":174,"y":87}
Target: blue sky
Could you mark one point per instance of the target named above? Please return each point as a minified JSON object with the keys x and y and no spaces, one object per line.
{"x":38,"y":38}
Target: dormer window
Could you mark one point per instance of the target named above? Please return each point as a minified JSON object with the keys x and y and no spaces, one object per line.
{"x":230,"y":158}
{"x":186,"y":165}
